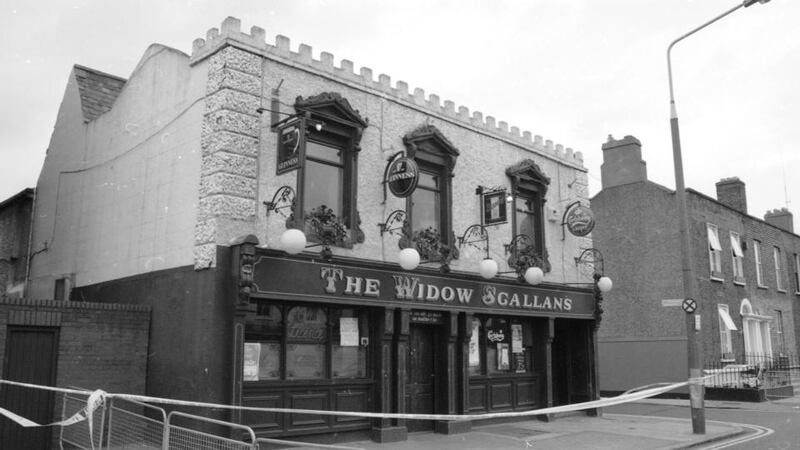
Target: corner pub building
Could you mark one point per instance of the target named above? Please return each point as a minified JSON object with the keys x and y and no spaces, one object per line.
{"x":322,"y":240}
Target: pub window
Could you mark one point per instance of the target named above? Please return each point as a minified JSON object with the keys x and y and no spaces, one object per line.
{"x":529,"y":187}
{"x":429,"y":207}
{"x":329,"y":170}
{"x":290,"y":342}
{"x":500,"y":346}
{"x":714,"y":251}
{"x":306,"y":340}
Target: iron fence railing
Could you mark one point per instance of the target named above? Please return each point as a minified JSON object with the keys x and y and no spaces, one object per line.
{"x":122,"y":424}
{"x":754,"y":371}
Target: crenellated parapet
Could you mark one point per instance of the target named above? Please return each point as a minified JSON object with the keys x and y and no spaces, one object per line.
{"x":230,"y":33}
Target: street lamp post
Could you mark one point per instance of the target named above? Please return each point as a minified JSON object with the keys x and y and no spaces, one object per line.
{"x":692,"y":330}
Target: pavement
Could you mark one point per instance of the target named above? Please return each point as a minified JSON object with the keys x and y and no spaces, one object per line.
{"x":608,"y":431}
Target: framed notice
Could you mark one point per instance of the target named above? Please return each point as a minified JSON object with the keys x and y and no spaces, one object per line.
{"x":252,"y":351}
{"x":348,"y":331}
{"x":503,"y":357}
{"x":516,"y":338}
{"x":474,"y":347}
{"x":494,"y":207}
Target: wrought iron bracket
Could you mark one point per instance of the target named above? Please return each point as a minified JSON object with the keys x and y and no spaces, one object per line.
{"x":283,"y":198}
{"x":394,"y":222}
{"x":473,"y":236}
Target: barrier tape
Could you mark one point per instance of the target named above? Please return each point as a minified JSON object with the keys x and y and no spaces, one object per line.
{"x":98,"y":397}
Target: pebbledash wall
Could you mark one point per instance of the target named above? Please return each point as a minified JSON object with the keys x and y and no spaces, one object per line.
{"x":142,"y":203}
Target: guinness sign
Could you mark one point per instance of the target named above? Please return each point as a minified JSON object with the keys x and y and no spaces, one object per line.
{"x":290,"y":142}
{"x":402,"y":176}
{"x":580,"y":220}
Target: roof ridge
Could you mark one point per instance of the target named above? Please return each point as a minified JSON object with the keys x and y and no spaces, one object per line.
{"x":99,"y":72}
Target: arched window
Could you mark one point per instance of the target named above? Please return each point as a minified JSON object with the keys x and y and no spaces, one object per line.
{"x":756,"y":330}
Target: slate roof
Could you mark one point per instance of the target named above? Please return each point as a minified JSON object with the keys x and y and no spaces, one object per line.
{"x":98,"y":91}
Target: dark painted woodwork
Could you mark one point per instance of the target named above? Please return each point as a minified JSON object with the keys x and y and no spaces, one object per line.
{"x":30,"y":357}
{"x":505,"y":393}
{"x":421,"y":387}
{"x":327,"y":395}
{"x":548,"y":354}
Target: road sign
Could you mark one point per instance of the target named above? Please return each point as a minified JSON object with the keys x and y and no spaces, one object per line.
{"x":689,"y":305}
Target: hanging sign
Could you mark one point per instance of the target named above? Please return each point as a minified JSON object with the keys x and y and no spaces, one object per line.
{"x":580,"y":220}
{"x":290,"y":144}
{"x":402,"y":176}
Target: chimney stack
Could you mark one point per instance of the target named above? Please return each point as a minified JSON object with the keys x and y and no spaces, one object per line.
{"x":622,"y":162}
{"x":780,"y":218}
{"x":731,"y":193}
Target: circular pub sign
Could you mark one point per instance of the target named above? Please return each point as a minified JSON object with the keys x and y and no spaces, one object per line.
{"x":402,"y":176}
{"x":580,"y":221}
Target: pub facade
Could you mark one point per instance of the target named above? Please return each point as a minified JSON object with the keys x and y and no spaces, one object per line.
{"x":326,"y":241}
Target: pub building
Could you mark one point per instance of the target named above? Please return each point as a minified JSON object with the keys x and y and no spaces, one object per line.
{"x":309,"y":237}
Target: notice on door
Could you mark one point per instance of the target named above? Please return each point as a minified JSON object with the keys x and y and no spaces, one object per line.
{"x":348,"y":331}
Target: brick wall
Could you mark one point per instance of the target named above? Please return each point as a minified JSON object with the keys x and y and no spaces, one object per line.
{"x":101,"y":346}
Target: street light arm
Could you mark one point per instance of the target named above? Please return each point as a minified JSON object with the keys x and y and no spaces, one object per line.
{"x":673,"y":113}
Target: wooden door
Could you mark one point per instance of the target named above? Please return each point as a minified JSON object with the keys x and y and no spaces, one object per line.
{"x":421,"y":373}
{"x":31,"y":355}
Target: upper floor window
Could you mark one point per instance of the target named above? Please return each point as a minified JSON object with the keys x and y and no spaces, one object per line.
{"x":759,"y":265}
{"x":776,"y":256}
{"x":429,"y":207}
{"x":328,"y":175}
{"x":737,"y":257}
{"x":714,"y":251}
{"x":528,"y":188}
{"x":796,"y":273}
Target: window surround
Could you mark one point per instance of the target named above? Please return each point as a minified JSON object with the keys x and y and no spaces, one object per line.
{"x":759,"y":264}
{"x":797,"y":273}
{"x":714,"y":252}
{"x":529,"y":182}
{"x":726,"y":325}
{"x":737,"y":258}
{"x":342,"y":128}
{"x":776,"y":257}
{"x":436,"y":157}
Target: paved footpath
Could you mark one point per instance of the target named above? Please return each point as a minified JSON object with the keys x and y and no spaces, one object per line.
{"x":611,"y":431}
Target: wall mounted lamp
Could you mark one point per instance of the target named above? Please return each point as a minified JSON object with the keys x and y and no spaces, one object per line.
{"x":593,"y":259}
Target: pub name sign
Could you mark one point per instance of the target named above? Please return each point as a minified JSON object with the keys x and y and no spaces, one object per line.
{"x":285,"y":278}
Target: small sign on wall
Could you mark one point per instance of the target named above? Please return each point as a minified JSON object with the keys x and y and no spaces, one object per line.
{"x":291,"y":140}
{"x":493,"y":205}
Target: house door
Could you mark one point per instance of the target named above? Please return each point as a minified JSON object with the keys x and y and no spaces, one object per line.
{"x":31,"y":355}
{"x":421,"y":375}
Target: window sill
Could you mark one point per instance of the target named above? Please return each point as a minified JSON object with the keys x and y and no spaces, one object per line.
{"x":782,"y":291}
{"x":761,"y":286}
{"x":717,"y":278}
{"x":739,"y":283}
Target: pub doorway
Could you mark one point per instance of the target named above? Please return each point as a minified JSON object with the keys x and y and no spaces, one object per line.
{"x":572,"y":362}
{"x":422,"y":391}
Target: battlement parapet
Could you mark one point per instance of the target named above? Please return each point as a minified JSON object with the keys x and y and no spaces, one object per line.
{"x":230,"y":33}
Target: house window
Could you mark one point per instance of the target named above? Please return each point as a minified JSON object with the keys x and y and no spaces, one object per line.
{"x":759,"y":266}
{"x":726,"y":325}
{"x":776,"y":256}
{"x":737,"y":258}
{"x":529,"y":187}
{"x":290,"y":342}
{"x":429,"y":207}
{"x":327,"y":180}
{"x":796,"y":273}
{"x":714,"y":251}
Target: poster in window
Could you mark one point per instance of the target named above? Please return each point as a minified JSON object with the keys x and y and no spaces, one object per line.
{"x":474,"y":348}
{"x":348,"y":331}
{"x":516,"y":338}
{"x":519,"y":363}
{"x":502,"y":357}
{"x":252,"y":350}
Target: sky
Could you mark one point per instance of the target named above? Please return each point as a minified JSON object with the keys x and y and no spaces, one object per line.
{"x":573,"y":71}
